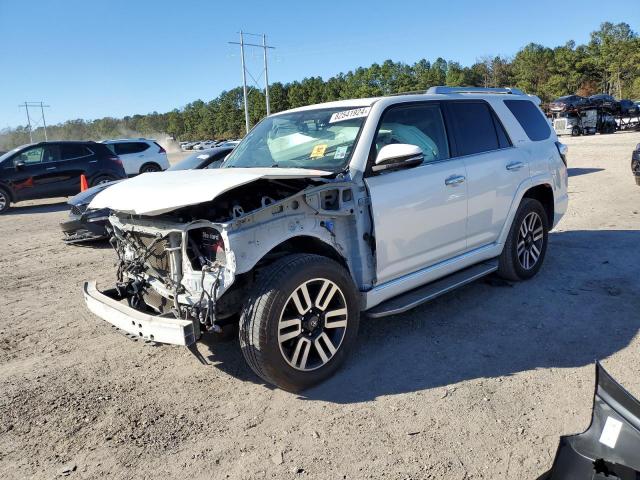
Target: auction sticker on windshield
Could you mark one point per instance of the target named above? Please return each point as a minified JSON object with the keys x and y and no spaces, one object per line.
{"x":349,"y":114}
{"x":318,"y":151}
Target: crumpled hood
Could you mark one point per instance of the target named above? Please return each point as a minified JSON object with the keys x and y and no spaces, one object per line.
{"x":161,"y":192}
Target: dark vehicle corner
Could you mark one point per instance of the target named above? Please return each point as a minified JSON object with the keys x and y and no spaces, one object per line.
{"x":53,"y":169}
{"x":610,"y":447}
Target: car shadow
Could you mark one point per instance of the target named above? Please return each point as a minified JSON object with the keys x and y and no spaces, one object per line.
{"x":40,"y":208}
{"x":581,"y":307}
{"x":575,"y":172}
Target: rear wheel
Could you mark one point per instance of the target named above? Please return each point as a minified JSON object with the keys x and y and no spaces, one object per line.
{"x":5,"y":200}
{"x":526,"y":244}
{"x":575,"y":131}
{"x":300,"y":321}
{"x":102,"y":179}
{"x":150,"y":167}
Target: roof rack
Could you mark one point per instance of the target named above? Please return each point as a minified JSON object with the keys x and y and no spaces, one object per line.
{"x":502,"y":91}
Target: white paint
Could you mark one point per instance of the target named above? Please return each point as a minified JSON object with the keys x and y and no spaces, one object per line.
{"x":161,"y":192}
{"x":610,"y":432}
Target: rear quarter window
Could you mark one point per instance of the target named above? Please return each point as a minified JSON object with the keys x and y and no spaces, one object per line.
{"x":530,"y":118}
{"x":126,"y":148}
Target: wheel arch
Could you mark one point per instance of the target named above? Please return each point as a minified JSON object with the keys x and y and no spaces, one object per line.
{"x":538,"y":188}
{"x":148,"y":163}
{"x":6,"y":188}
{"x":303,"y":244}
{"x":544,"y":194}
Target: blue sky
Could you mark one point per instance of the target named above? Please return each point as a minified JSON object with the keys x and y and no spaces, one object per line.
{"x":95,"y":58}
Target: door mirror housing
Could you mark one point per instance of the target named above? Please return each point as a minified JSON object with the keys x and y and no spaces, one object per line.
{"x":398,"y":156}
{"x":18,"y":164}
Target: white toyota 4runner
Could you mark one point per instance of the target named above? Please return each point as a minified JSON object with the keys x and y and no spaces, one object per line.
{"x":323,"y":212}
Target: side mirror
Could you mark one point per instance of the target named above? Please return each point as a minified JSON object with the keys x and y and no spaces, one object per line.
{"x":396,"y":156}
{"x":18,"y":164}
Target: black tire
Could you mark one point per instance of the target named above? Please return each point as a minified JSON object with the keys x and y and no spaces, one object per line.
{"x":5,"y":200}
{"x":102,"y":179}
{"x":150,"y":167}
{"x":575,"y":132}
{"x":513,"y":261}
{"x":271,"y":300}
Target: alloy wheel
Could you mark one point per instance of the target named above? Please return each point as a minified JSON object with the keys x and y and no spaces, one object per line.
{"x":530,"y":240}
{"x":3,"y":201}
{"x":312,"y":324}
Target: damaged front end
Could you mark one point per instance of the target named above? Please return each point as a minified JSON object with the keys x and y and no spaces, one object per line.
{"x":169,"y":274}
{"x":610,"y":448}
{"x":187,"y":270}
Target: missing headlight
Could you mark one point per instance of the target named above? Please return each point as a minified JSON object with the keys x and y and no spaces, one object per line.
{"x":205,"y":247}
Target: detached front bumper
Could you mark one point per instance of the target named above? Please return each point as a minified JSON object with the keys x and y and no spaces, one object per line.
{"x":157,"y":328}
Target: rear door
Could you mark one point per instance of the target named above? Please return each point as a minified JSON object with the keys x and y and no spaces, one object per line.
{"x":419,"y":214}
{"x":132,"y":154}
{"x":75,"y":159}
{"x":495,"y":169}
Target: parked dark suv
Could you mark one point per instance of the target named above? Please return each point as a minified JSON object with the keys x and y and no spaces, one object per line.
{"x":53,"y":169}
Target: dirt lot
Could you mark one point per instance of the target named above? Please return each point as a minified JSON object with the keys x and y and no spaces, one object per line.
{"x":477,"y":385}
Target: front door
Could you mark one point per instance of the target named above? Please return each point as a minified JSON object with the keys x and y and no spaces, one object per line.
{"x":36,"y":173}
{"x":419,"y":214}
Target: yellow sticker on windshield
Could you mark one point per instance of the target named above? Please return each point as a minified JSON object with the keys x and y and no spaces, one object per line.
{"x":318,"y":151}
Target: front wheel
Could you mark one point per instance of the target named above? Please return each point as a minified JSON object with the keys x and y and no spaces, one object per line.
{"x":102,"y":179}
{"x":526,"y":244}
{"x":300,"y":321}
{"x":5,"y":200}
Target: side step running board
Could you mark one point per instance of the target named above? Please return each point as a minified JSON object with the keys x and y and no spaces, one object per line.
{"x":428,"y":292}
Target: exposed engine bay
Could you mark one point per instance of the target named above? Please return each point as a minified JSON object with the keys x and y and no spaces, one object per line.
{"x":196,"y":263}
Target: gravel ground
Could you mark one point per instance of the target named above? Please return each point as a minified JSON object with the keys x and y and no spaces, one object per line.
{"x":476,"y":385}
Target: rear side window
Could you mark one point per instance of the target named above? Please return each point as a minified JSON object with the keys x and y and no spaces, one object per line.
{"x":530,"y":118}
{"x":71,"y":151}
{"x":475,"y":128}
{"x":126,"y":148}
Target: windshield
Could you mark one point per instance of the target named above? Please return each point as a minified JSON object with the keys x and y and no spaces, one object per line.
{"x":191,"y":162}
{"x":321,"y":139}
{"x":11,"y":152}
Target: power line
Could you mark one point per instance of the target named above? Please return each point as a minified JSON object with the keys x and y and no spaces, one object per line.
{"x":245,"y":72}
{"x":42,"y":106}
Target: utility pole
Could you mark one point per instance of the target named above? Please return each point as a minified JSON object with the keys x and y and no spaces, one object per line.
{"x":26,"y":107}
{"x":266,"y":74}
{"x":42,"y":106}
{"x":264,"y":46}
{"x":244,"y":85}
{"x":44,"y":123}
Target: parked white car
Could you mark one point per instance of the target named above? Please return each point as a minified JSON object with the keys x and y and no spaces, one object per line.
{"x":323,"y":212}
{"x":139,"y":155}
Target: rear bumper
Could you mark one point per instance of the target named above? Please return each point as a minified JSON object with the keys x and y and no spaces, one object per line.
{"x":157,"y":328}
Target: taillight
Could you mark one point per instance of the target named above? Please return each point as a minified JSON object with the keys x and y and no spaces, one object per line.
{"x":115,"y":159}
{"x":562,"y":150}
{"x":162,"y":150}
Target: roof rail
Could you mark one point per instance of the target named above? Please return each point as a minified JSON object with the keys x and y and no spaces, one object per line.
{"x":503,"y":91}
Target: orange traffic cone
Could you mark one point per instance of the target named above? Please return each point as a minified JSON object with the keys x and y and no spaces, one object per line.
{"x":83,"y":183}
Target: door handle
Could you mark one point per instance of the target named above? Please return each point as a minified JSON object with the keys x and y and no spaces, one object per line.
{"x":514,"y":166}
{"x":93,"y":161}
{"x":51,"y":168}
{"x":454,"y":180}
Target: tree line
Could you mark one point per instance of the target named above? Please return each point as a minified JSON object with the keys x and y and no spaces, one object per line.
{"x":608,"y":63}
